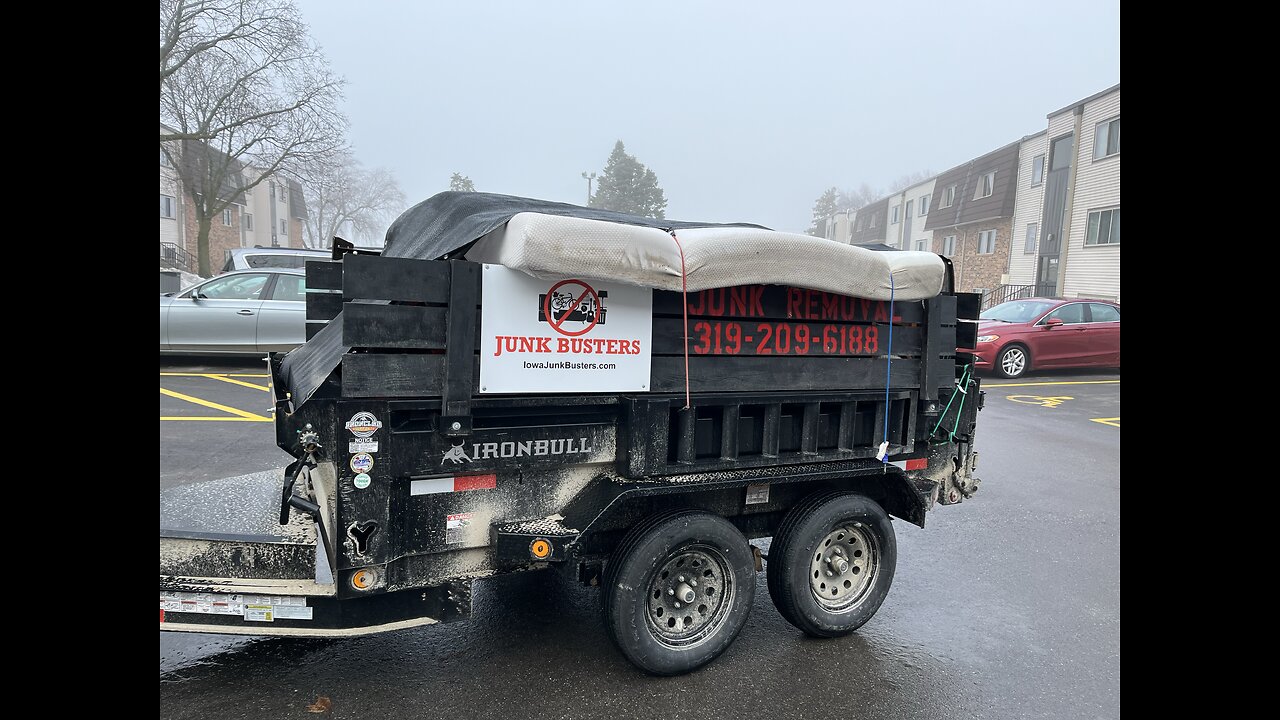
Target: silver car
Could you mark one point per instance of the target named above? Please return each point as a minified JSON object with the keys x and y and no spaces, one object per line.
{"x":245,"y":311}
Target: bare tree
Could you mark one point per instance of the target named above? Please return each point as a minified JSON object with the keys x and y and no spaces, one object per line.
{"x":905,"y":181}
{"x":191,"y":27}
{"x":858,"y":197}
{"x":345,"y":198}
{"x":245,"y":94}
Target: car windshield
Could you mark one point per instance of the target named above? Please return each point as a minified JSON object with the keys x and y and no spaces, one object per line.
{"x":1016,"y":311}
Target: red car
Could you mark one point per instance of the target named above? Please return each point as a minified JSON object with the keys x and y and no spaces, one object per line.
{"x":1044,"y":333}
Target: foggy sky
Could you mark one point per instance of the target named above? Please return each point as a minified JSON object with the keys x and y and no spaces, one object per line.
{"x":746,"y":111}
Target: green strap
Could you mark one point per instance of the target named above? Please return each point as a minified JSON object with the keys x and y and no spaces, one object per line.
{"x":963,"y":391}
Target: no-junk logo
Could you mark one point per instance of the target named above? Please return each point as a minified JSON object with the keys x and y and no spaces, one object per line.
{"x":572,"y":307}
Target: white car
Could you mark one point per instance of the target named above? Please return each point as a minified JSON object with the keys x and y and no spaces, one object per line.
{"x":255,"y":258}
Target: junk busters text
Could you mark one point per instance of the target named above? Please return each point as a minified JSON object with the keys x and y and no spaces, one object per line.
{"x":582,"y":305}
{"x":569,"y":346}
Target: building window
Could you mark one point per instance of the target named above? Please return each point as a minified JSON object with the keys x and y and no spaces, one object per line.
{"x":1106,"y":139}
{"x":164,"y":159}
{"x":894,"y":220}
{"x":986,"y":242}
{"x":1104,"y":227}
{"x":166,"y":206}
{"x":986,"y":185}
{"x":284,"y":227}
{"x":949,"y":197}
{"x":226,"y":217}
{"x":873,"y":222}
{"x":248,"y":221}
{"x":949,"y":245}
{"x":1033,"y":229}
{"x":922,"y":244}
{"x":924,"y":205}
{"x":1037,"y":170}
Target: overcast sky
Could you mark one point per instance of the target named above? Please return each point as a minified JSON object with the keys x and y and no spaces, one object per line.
{"x":746,"y":111}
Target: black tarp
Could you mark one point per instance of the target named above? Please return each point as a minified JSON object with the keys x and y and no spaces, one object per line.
{"x":449,"y":222}
{"x":441,"y":226}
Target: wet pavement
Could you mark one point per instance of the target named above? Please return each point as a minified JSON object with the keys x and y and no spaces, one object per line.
{"x":1006,"y":606}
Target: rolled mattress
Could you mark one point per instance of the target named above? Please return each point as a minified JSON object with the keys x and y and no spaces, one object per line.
{"x":552,"y":246}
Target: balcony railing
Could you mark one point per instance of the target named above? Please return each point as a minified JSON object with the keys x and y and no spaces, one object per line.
{"x":172,"y":256}
{"x":1005,"y":293}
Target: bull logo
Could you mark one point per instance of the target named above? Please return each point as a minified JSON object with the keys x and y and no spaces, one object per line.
{"x":456,"y":454}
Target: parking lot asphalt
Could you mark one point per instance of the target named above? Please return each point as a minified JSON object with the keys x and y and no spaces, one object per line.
{"x":1005,"y":606}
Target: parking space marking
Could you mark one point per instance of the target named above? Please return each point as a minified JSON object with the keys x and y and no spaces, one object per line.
{"x":180,"y":374}
{"x":241,"y":415}
{"x":1113,"y":422}
{"x":233,"y":381}
{"x":1056,"y":382}
{"x":1041,"y":400}
{"x":197,"y":418}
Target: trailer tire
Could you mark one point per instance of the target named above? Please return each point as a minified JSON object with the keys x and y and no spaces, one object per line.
{"x":831,"y":563}
{"x":667,"y":622}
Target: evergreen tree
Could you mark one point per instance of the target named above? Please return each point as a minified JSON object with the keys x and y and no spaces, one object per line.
{"x":461,"y":183}
{"x":628,"y":186}
{"x":823,"y":209}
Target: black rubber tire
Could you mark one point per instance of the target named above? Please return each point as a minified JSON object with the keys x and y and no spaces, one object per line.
{"x":999,"y":361}
{"x":636,"y":563}
{"x":795,"y":543}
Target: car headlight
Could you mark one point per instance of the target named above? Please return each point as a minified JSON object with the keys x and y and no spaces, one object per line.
{"x":988,"y":338}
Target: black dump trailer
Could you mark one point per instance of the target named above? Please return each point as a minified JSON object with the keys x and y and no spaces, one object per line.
{"x":418,"y":468}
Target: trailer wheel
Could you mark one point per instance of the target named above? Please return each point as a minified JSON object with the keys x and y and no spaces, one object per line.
{"x":831,"y":563}
{"x":678,"y":590}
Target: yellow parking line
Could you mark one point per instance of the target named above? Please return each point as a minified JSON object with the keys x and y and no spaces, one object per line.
{"x":208,"y":374}
{"x":241,"y":413}
{"x":1062,"y":382}
{"x":1113,"y":422}
{"x":219,"y":419}
{"x":234,"y":381}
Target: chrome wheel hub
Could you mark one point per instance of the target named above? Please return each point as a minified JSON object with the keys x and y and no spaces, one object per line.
{"x":844,"y":567}
{"x":690,"y":596}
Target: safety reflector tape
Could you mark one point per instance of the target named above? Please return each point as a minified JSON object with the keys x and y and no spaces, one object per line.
{"x":461,"y":483}
{"x":917,"y":464}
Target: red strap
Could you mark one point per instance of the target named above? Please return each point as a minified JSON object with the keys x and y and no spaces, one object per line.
{"x":684,"y":297}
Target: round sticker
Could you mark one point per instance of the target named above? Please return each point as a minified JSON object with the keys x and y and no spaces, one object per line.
{"x":363,"y":424}
{"x":361,"y":462}
{"x":362,"y":481}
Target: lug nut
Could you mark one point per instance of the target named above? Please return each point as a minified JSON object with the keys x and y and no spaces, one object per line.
{"x":677,"y":604}
{"x":670,"y":591}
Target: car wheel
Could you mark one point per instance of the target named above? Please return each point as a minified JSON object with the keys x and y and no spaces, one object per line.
{"x":831,"y":563}
{"x":1013,"y":361}
{"x":678,"y":590}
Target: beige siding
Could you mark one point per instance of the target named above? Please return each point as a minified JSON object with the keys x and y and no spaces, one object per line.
{"x":171,"y":228}
{"x":914,"y":195}
{"x":1093,"y":271}
{"x":1028,"y":209}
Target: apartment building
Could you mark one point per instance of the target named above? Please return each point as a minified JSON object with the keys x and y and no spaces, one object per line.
{"x":871,"y":224}
{"x":1040,"y":216}
{"x":1074,"y":203}
{"x":908,"y":210}
{"x":269,"y":214}
{"x":971,"y":217}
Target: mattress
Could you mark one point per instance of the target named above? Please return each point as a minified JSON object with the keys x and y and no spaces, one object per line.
{"x":555,"y":246}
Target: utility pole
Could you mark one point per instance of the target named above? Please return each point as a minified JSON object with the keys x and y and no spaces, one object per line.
{"x":588,"y":178}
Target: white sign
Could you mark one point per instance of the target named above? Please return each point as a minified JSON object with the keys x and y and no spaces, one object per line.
{"x":563,"y":336}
